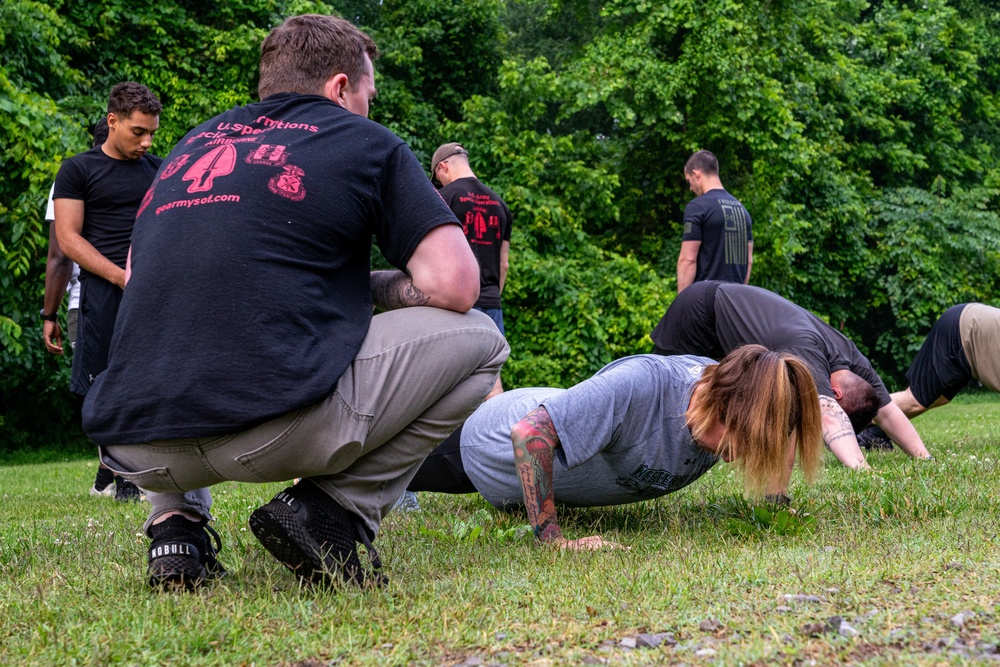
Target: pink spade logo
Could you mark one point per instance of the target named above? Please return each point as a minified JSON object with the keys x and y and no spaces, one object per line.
{"x":219,"y":161}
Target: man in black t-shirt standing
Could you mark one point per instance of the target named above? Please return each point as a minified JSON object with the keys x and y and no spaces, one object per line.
{"x":713,"y":318}
{"x":717,"y":242}
{"x":96,"y":196}
{"x":246,"y":348}
{"x":486,"y":221}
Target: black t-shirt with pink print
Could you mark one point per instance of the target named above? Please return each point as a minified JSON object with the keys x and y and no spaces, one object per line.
{"x":250,"y":292}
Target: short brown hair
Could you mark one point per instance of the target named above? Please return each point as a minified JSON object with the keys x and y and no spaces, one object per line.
{"x":858,"y":400}
{"x":762,"y":398}
{"x":301,"y":54}
{"x":703,"y":161}
{"x":100,"y":132}
{"x":129,"y":96}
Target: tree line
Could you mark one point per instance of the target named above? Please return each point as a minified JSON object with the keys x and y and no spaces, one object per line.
{"x":862,"y":136}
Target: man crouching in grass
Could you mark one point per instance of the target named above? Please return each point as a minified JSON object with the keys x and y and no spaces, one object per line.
{"x":245,"y":348}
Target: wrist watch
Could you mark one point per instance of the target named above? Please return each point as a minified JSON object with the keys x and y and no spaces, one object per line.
{"x":54,"y":317}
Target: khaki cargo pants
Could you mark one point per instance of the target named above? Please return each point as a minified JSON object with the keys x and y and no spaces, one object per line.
{"x":419,"y":373}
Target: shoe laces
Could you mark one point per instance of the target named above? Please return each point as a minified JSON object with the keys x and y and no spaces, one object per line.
{"x":362,"y":532}
{"x":213,"y":549}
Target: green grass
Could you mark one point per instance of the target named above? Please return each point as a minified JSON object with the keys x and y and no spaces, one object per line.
{"x":896,"y":553}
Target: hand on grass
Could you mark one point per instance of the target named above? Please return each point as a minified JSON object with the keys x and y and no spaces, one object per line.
{"x":591,"y":543}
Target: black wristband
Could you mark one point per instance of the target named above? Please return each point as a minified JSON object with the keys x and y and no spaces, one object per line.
{"x":54,"y":317}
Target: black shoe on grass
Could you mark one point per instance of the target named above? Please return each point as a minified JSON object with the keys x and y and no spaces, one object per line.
{"x":874,"y":438}
{"x":316,"y":538}
{"x":182,"y":554}
{"x":127,"y":492}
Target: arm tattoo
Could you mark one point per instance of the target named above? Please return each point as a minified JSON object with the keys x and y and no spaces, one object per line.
{"x":535,"y":440}
{"x":395,"y":289}
{"x":540,"y":419}
{"x":831,"y":409}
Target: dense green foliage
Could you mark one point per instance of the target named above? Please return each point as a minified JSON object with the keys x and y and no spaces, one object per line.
{"x":862,"y":136}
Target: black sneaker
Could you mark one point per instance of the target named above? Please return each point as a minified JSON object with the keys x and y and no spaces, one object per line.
{"x":127,"y":492}
{"x":182,"y":554}
{"x":874,"y":438}
{"x":316,"y":538}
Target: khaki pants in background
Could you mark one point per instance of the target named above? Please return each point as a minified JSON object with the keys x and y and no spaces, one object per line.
{"x":418,"y":375}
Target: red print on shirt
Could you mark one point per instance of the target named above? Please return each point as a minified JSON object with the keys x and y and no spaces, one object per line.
{"x":175,"y":165}
{"x":219,"y":161}
{"x":268,"y":154}
{"x":288,"y":183}
{"x":148,"y":197}
{"x":481,"y":226}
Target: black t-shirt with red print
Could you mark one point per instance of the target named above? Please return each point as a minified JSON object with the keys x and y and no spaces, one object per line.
{"x":486,"y":221}
{"x":250,"y":291}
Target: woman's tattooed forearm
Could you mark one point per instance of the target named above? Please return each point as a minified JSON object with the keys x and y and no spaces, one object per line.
{"x":395,"y":289}
{"x":534,"y":440}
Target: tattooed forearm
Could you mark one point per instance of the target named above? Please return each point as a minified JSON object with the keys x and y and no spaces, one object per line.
{"x":539,"y":419}
{"x":836,"y":423}
{"x":395,"y":289}
{"x":534,"y":439}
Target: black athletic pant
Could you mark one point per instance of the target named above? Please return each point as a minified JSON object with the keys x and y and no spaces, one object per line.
{"x":442,"y":470}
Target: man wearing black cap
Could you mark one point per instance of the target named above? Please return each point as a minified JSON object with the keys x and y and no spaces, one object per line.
{"x":486,"y":221}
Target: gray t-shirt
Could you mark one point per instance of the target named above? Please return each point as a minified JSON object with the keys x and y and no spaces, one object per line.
{"x":623,"y":434}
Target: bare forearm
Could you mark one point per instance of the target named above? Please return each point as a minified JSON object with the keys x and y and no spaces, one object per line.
{"x":57,"y":274}
{"x":69,"y":234}
{"x":58,"y":270}
{"x":504,"y":263}
{"x":687,"y":264}
{"x":900,"y":429}
{"x":534,"y":439}
{"x":90,"y":259}
{"x":685,"y":275}
{"x":395,"y":289}
{"x":838,"y":434}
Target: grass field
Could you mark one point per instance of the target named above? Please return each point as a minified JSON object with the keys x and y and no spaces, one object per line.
{"x":897,"y":566}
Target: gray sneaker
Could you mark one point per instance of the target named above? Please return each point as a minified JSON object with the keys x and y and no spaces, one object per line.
{"x":104,"y":483}
{"x":107,"y":492}
{"x":407,"y":502}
